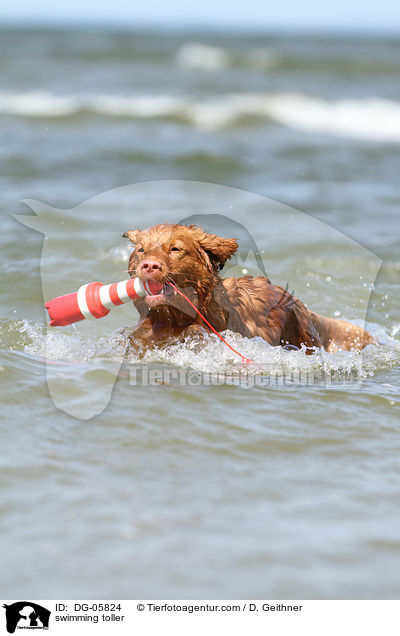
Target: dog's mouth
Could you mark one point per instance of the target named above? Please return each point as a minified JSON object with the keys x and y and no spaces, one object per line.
{"x":172,"y":296}
{"x":163,"y":298}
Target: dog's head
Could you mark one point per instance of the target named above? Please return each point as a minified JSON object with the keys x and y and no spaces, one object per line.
{"x":184,"y":255}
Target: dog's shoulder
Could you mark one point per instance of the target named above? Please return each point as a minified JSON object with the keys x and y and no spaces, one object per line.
{"x":255,"y":301}
{"x":270,"y":311}
{"x":255,"y":290}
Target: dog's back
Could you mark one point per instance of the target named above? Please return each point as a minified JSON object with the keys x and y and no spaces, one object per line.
{"x":271,"y":312}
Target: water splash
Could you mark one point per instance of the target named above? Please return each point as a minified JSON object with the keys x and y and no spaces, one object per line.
{"x":206,"y":354}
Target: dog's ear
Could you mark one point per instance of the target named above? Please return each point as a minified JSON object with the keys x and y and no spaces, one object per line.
{"x":132,"y":235}
{"x":219,"y":249}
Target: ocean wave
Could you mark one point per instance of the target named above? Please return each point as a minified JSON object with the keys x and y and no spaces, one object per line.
{"x":200,"y":56}
{"x":197,"y":56}
{"x":365,"y":118}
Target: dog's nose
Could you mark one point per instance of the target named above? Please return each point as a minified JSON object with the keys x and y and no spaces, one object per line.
{"x":150,"y":265}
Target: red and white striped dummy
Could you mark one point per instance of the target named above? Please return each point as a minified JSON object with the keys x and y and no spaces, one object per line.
{"x":94,"y":300}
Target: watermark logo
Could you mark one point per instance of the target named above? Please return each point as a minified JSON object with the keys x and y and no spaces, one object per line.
{"x":26,"y":615}
{"x":266,"y":231}
{"x":259,"y":375}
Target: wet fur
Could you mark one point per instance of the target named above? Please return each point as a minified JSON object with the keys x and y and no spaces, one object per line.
{"x":192,"y":259}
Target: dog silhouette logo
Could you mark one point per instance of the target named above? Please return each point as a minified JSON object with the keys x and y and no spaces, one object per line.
{"x":26,"y":615}
{"x":69,"y":238}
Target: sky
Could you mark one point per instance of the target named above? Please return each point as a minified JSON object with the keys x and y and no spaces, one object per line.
{"x":353,"y":15}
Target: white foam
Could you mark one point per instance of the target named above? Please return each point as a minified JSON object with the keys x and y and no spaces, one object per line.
{"x":368,"y":118}
{"x":139,"y":107}
{"x":210,"y":355}
{"x":117,"y":255}
{"x":38,"y":104}
{"x":201,"y":57}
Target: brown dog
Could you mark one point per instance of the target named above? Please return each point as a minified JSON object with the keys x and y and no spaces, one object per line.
{"x":192,"y":259}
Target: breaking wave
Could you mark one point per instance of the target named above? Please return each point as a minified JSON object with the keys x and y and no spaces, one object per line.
{"x":367,"y":118}
{"x":202,"y":57}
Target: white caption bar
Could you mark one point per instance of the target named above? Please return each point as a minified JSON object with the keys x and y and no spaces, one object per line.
{"x":200,"y":617}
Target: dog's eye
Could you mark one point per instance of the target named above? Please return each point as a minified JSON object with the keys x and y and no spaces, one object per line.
{"x":176,"y":249}
{"x":140,"y":249}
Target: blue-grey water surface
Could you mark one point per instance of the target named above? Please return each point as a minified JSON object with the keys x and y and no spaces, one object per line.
{"x":170,"y":491}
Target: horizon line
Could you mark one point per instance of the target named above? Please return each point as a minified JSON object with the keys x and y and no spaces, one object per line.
{"x":250,"y":28}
